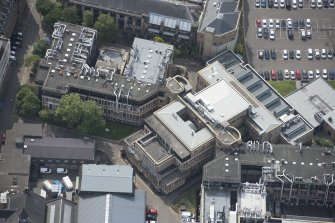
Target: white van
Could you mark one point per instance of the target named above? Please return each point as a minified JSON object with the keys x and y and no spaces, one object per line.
{"x":47,"y":185}
{"x":45,"y":170}
{"x":67,"y":183}
{"x":61,"y":170}
{"x":12,"y":58}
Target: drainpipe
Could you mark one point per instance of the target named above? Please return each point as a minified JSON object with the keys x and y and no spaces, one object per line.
{"x":327,"y":190}
{"x":282,"y":187}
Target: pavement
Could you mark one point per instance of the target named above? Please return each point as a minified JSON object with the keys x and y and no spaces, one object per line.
{"x":29,"y":23}
{"x":323,"y":36}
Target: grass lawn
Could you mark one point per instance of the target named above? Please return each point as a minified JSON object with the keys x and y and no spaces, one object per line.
{"x":332,"y":83}
{"x":283,"y":87}
{"x":189,"y":199}
{"x":116,"y":131}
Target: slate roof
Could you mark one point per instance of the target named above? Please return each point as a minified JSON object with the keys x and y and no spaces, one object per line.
{"x":60,"y":148}
{"x":61,"y":210}
{"x":106,"y":178}
{"x":112,"y":208}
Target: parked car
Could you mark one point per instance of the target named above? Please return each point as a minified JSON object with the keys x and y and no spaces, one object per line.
{"x":260,"y":54}
{"x":295,"y":24}
{"x":267,"y":54}
{"x":258,"y":23}
{"x":17,"y":43}
{"x":272,"y":34}
{"x":273,"y":75}
{"x":330,"y":54}
{"x":324,"y":74}
{"x":259,"y":32}
{"x":273,"y":54}
{"x":257,"y":3}
{"x":285,"y":54}
{"x":276,"y":3}
{"x":261,"y":73}
{"x":283,"y":24}
{"x":291,"y":54}
{"x":271,"y":23}
{"x":289,"y":23}
{"x":263,"y":3}
{"x":310,"y":74}
{"x":292,"y":75}
{"x":319,"y":4}
{"x":61,"y":170}
{"x":309,"y":33}
{"x":298,"y":54}
{"x":298,"y":74}
{"x":290,"y":34}
{"x":317,"y":73}
{"x":12,"y":58}
{"x":331,"y":74}
{"x":310,"y":54}
{"x":323,"y":54}
{"x":267,"y":75}
{"x":317,"y":54}
{"x":12,"y":53}
{"x":308,"y":23}
{"x":294,"y":4}
{"x":286,"y":74}
{"x":280,"y":75}
{"x":304,"y":75}
{"x":277,"y":24}
{"x":265,"y":33}
{"x":301,"y":23}
{"x":331,"y":3}
{"x":270,"y":3}
{"x":303,"y":34}
{"x":288,"y":4}
{"x":264,"y":23}
{"x":301,"y":3}
{"x":282,"y":4}
{"x":325,"y":3}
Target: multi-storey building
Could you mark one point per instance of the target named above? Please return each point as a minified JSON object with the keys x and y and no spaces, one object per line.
{"x":229,"y":66}
{"x":256,"y":183}
{"x":218,"y":27}
{"x":175,"y":22}
{"x":8,"y":16}
{"x":4,"y":62}
{"x":127,"y":97}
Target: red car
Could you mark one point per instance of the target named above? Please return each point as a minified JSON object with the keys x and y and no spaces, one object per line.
{"x":258,"y":23}
{"x":273,"y":75}
{"x":298,"y":74}
{"x":152,"y":211}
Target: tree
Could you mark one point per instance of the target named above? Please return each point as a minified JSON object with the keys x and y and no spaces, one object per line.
{"x":158,"y":39}
{"x":92,"y":118}
{"x":53,"y":16}
{"x":44,"y":6}
{"x":27,"y":102}
{"x":85,"y":116}
{"x":105,"y":25}
{"x":33,"y":61}
{"x":70,"y":109}
{"x":88,"y":18}
{"x":44,"y":115}
{"x":70,"y":14}
{"x":40,"y":47}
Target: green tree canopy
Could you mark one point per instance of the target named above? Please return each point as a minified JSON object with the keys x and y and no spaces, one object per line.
{"x":85,"y":116}
{"x":70,"y":14}
{"x":44,"y":6}
{"x":40,"y":47}
{"x":105,"y":25}
{"x":158,"y":39}
{"x":44,"y":115}
{"x":27,"y":102}
{"x":33,"y":61}
{"x":50,"y":18}
{"x":88,"y":18}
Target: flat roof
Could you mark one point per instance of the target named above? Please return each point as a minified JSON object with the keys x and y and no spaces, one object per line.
{"x":312,"y":98}
{"x":306,"y":163}
{"x":148,"y":61}
{"x":155,"y":150}
{"x":253,"y":202}
{"x":221,"y":100}
{"x":260,"y":89}
{"x":185,"y":130}
{"x":220,"y":16}
{"x":60,"y":148}
{"x":106,"y":178}
{"x":140,"y":7}
{"x":215,"y":72}
{"x":14,"y":165}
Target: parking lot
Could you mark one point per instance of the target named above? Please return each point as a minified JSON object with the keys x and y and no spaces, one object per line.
{"x":322,"y":30}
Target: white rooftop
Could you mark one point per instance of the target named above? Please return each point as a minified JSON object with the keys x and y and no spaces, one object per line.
{"x":186,"y":131}
{"x":221,"y":100}
{"x":253,"y":201}
{"x":316,"y":96}
{"x":213,"y":72}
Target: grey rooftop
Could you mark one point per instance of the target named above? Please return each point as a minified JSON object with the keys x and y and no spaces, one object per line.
{"x":61,"y":210}
{"x":220,"y":16}
{"x":313,"y":100}
{"x":106,"y":178}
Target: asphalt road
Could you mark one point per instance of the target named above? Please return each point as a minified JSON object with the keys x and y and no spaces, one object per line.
{"x":323,"y":36}
{"x":29,"y":23}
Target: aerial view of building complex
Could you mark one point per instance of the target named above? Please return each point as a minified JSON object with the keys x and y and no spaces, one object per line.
{"x":167,"y":111}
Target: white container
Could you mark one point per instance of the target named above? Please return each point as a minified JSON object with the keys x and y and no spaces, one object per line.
{"x":47,"y":185}
{"x":67,"y":183}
